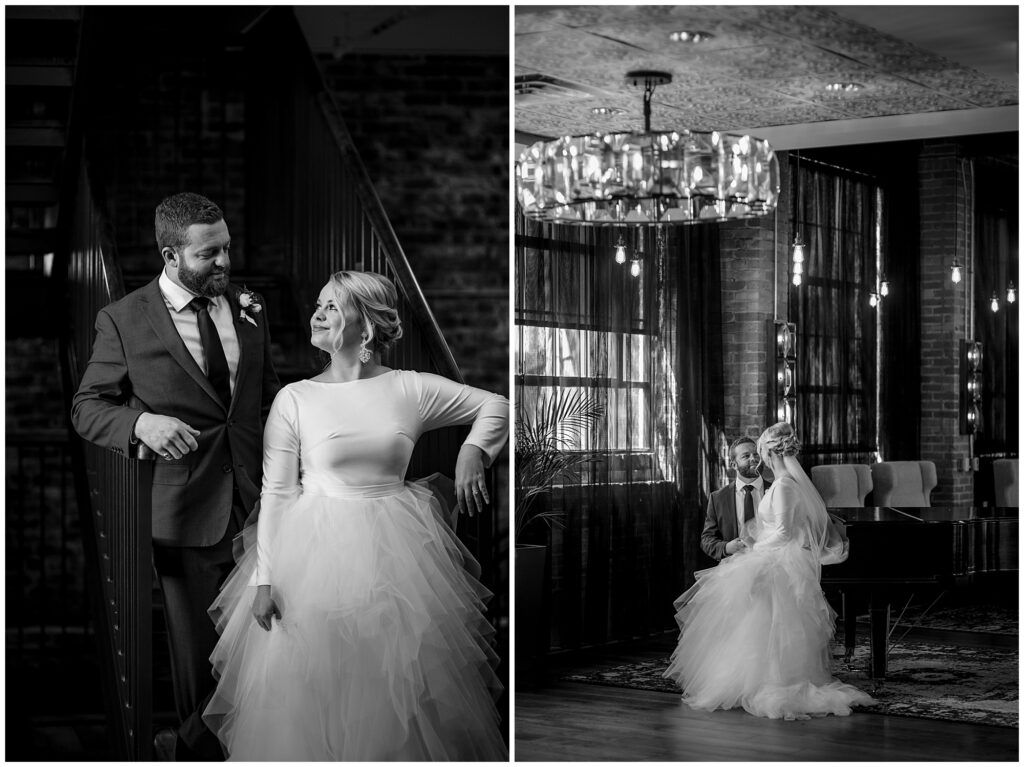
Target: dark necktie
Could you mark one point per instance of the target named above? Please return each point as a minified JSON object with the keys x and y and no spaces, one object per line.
{"x":216,"y":362}
{"x":748,"y":503}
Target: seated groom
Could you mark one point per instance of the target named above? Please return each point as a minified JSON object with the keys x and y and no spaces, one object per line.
{"x":735,"y":504}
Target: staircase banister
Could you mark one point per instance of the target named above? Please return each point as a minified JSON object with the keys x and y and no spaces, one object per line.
{"x":385,"y":232}
{"x":286,"y":24}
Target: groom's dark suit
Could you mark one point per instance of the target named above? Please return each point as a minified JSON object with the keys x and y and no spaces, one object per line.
{"x":720,"y":521}
{"x":141,"y":365}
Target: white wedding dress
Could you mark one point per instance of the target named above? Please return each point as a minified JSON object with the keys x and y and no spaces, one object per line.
{"x":382,"y":651}
{"x":755,"y":630}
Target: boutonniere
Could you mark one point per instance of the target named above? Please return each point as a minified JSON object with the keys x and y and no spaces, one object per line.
{"x":249,"y":303}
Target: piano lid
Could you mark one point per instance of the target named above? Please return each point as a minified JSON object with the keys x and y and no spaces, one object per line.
{"x":922,"y":515}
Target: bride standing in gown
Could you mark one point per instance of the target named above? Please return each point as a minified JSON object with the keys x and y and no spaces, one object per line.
{"x":755,"y":630}
{"x":352,"y":630}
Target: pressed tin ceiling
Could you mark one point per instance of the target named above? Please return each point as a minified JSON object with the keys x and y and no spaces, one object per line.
{"x":765,"y":70}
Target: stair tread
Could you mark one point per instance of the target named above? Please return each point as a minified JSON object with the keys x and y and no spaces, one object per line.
{"x":45,"y":13}
{"x":35,"y":136}
{"x":32,"y":193}
{"x":56,"y":76}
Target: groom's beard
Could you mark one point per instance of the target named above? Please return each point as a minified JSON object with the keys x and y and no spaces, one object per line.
{"x":748,"y":473}
{"x":212,"y":285}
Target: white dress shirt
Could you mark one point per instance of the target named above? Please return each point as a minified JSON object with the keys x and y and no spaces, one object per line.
{"x":176,"y":299}
{"x":757,"y":493}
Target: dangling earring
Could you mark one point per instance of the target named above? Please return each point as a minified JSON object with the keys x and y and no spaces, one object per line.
{"x":364,"y":353}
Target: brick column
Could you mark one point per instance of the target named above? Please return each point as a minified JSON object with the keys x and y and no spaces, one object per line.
{"x":748,"y":305}
{"x":945,"y":211}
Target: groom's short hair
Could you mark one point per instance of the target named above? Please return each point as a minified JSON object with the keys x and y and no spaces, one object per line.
{"x":736,"y":443}
{"x":177,"y":213}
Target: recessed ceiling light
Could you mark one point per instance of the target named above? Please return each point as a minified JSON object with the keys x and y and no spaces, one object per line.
{"x":608,"y":111}
{"x":844,"y":87}
{"x":690,"y":36}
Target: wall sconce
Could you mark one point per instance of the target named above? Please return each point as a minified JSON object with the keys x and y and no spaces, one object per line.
{"x":971,"y":356}
{"x":783,"y":382}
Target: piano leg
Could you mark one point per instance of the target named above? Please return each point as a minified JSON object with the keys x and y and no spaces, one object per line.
{"x":849,"y":624}
{"x":879,"y":612}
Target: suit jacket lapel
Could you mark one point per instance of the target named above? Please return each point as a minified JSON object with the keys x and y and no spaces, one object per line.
{"x":730,"y":511}
{"x":153,"y":307}
{"x":246,"y":342}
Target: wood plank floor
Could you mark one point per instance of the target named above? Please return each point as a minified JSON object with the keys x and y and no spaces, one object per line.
{"x":569,"y":721}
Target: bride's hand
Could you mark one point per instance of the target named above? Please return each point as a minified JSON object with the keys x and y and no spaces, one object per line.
{"x":264,"y":608}
{"x":470,"y":480}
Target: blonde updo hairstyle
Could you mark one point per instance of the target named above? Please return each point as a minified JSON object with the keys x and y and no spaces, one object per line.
{"x":375,"y":299}
{"x":779,"y":439}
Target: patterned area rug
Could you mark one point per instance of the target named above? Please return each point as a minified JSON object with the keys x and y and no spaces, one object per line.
{"x":930,"y":680}
{"x":985,"y":619}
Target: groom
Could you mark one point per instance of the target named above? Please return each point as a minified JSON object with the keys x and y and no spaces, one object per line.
{"x":182,"y":365}
{"x":735,"y":504}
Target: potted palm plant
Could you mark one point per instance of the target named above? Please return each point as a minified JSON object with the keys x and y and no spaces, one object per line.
{"x":545,"y":440}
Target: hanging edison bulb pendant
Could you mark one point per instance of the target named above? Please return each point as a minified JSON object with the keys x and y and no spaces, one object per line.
{"x":620,"y":251}
{"x":798,"y":259}
{"x":884,"y":287}
{"x":995,"y":302}
{"x":955,"y":271}
{"x":873,"y":299}
{"x":1011,"y":294}
{"x":634,"y":268}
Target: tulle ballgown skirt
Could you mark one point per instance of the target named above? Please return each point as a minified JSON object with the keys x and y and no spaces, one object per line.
{"x":755,"y":634}
{"x":382,"y":651}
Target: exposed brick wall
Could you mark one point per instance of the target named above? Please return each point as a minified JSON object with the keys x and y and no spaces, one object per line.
{"x":432,"y":131}
{"x":945,"y":211}
{"x":748,"y":306}
{"x":32,"y":380}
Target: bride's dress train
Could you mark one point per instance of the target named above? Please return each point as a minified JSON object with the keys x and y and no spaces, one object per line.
{"x":755,"y":630}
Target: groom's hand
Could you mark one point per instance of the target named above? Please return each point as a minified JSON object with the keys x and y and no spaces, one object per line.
{"x":735,"y":545}
{"x":264,"y":608}
{"x":165,"y":435}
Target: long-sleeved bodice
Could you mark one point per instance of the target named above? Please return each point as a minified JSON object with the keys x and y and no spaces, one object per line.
{"x":356,"y":438}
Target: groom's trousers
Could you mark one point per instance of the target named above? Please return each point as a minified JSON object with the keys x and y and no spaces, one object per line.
{"x":190,"y":579}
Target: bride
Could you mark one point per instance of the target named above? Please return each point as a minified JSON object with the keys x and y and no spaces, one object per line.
{"x":755,"y":630}
{"x":352,"y":630}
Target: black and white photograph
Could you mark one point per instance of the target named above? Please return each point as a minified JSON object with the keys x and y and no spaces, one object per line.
{"x":766,"y":383}
{"x":257,"y":376}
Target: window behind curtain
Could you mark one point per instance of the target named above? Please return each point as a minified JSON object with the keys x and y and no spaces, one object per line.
{"x":583,"y":324}
{"x":839,"y":215}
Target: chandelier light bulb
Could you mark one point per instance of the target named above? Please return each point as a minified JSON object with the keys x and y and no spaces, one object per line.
{"x":995,"y":302}
{"x":884,"y":288}
{"x":1011,"y":294}
{"x":634,"y":268}
{"x":955,"y":272}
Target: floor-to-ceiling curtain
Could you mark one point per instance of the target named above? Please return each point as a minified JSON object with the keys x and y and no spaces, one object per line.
{"x":995,"y":266}
{"x":625,"y":541}
{"x":838,"y":214}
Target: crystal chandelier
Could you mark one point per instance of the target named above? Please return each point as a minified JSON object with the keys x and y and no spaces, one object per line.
{"x":663,"y":177}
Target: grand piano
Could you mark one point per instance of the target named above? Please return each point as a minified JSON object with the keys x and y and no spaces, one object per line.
{"x":896,"y":552}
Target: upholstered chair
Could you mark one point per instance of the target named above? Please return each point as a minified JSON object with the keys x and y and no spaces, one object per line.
{"x":842,"y":485}
{"x":1006,"y":473}
{"x":903,"y":483}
